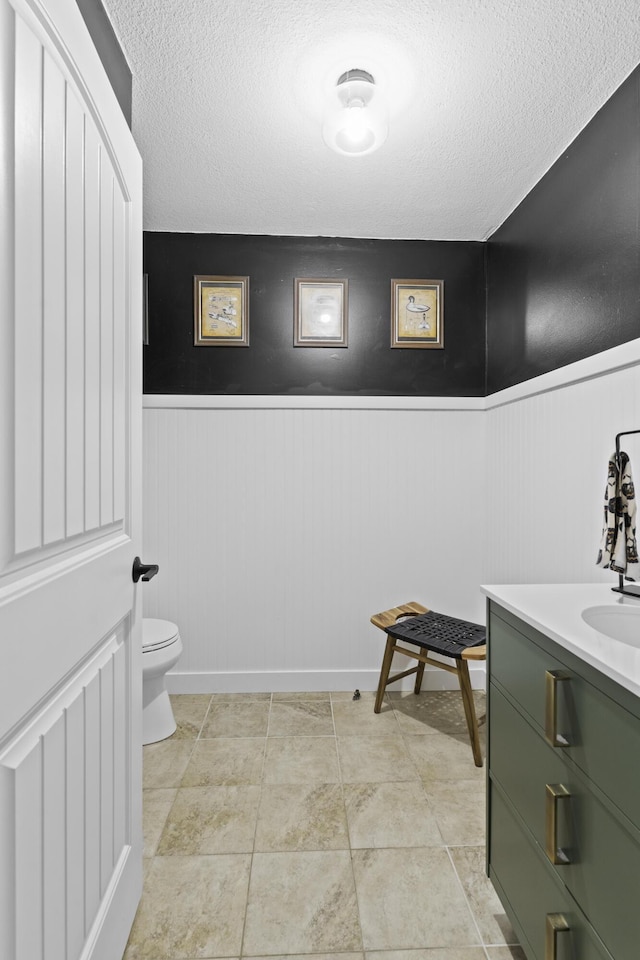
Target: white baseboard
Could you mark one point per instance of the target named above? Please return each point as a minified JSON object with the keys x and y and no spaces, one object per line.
{"x":290,"y":681}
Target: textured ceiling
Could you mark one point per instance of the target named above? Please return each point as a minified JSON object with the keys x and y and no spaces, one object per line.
{"x":486,"y":95}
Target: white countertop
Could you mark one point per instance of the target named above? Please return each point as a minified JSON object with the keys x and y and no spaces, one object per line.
{"x":555,"y":609}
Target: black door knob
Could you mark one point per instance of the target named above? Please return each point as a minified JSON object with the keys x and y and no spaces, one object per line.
{"x":143,"y":571}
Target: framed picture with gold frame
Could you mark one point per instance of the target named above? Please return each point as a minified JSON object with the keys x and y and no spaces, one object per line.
{"x":320,"y":309}
{"x":221,"y":311}
{"x":417,"y":314}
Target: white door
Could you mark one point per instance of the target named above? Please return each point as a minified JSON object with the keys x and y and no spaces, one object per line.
{"x":70,"y":398}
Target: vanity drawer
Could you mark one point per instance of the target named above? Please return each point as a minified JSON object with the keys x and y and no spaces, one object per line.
{"x":603,"y":738}
{"x":531,"y":893}
{"x":520,"y":666}
{"x":604,"y":857}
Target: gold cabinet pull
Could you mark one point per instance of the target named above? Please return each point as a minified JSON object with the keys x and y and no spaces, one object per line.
{"x":555,"y":792}
{"x":551,"y":680}
{"x":556,"y":923}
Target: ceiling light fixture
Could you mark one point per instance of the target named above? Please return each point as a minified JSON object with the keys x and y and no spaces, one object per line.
{"x":355,"y":121}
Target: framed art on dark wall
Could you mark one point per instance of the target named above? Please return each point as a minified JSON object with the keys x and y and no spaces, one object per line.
{"x":417,"y":314}
{"x":320,"y":313}
{"x":221,"y":311}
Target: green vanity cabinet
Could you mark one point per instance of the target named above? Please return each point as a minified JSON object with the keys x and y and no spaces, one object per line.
{"x":532,"y":894}
{"x":563,"y":797}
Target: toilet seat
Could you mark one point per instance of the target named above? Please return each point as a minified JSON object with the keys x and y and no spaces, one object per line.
{"x":157,"y":634}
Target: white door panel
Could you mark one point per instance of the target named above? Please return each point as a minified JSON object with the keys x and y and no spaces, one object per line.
{"x":70,"y":398}
{"x":45,"y":622}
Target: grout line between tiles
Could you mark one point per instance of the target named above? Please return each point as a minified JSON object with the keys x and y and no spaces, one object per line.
{"x":351,"y":849}
{"x":255,"y":830}
{"x":466,"y":899}
{"x":268,"y":729}
{"x":204,"y":719}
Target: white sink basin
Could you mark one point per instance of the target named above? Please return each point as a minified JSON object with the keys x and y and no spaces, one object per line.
{"x":618,"y":622}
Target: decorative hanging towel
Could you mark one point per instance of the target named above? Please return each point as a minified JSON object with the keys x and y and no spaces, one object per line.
{"x":618,"y":547}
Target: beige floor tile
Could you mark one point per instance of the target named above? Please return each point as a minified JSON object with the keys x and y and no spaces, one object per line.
{"x":443,"y":953}
{"x":434,"y":711}
{"x":355,"y":718}
{"x":390,"y":815}
{"x":215,"y":798}
{"x":189,"y":711}
{"x":411,"y":898}
{"x":301,"y":718}
{"x":486,"y":908}
{"x":314,"y":956}
{"x":302,"y":695}
{"x":301,"y":903}
{"x":506,"y":953}
{"x":340,"y":695}
{"x":191,"y":907}
{"x":208,"y":820}
{"x":443,"y":756}
{"x":374,"y":759}
{"x":236,"y":719}
{"x":239,"y":697}
{"x":459,"y":808}
{"x":156,"y":805}
{"x":301,"y":760}
{"x":164,"y":763}
{"x":232,"y":762}
{"x":301,"y":817}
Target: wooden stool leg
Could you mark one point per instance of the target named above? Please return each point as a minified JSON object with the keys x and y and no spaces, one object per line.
{"x":419,"y":676}
{"x":469,"y":710}
{"x":384,"y":673}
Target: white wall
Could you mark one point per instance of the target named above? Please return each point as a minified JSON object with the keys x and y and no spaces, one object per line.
{"x":548,"y":443}
{"x":281,"y":526}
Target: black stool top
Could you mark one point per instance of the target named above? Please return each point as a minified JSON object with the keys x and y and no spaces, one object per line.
{"x":437,"y":632}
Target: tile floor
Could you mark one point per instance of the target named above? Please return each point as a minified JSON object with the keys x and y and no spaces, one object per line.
{"x":282,"y":825}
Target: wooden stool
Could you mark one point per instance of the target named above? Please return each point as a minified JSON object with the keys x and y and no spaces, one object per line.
{"x":390,"y":617}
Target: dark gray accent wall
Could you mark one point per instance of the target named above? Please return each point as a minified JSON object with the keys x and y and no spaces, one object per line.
{"x":271,"y":365}
{"x":557,"y":282}
{"x":564,"y":270}
{"x":109,"y":51}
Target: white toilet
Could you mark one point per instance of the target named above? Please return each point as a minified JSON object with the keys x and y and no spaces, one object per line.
{"x":161,"y":648}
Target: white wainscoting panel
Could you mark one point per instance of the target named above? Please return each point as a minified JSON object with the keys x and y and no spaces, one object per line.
{"x":279,"y":532}
{"x":547,"y":466}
